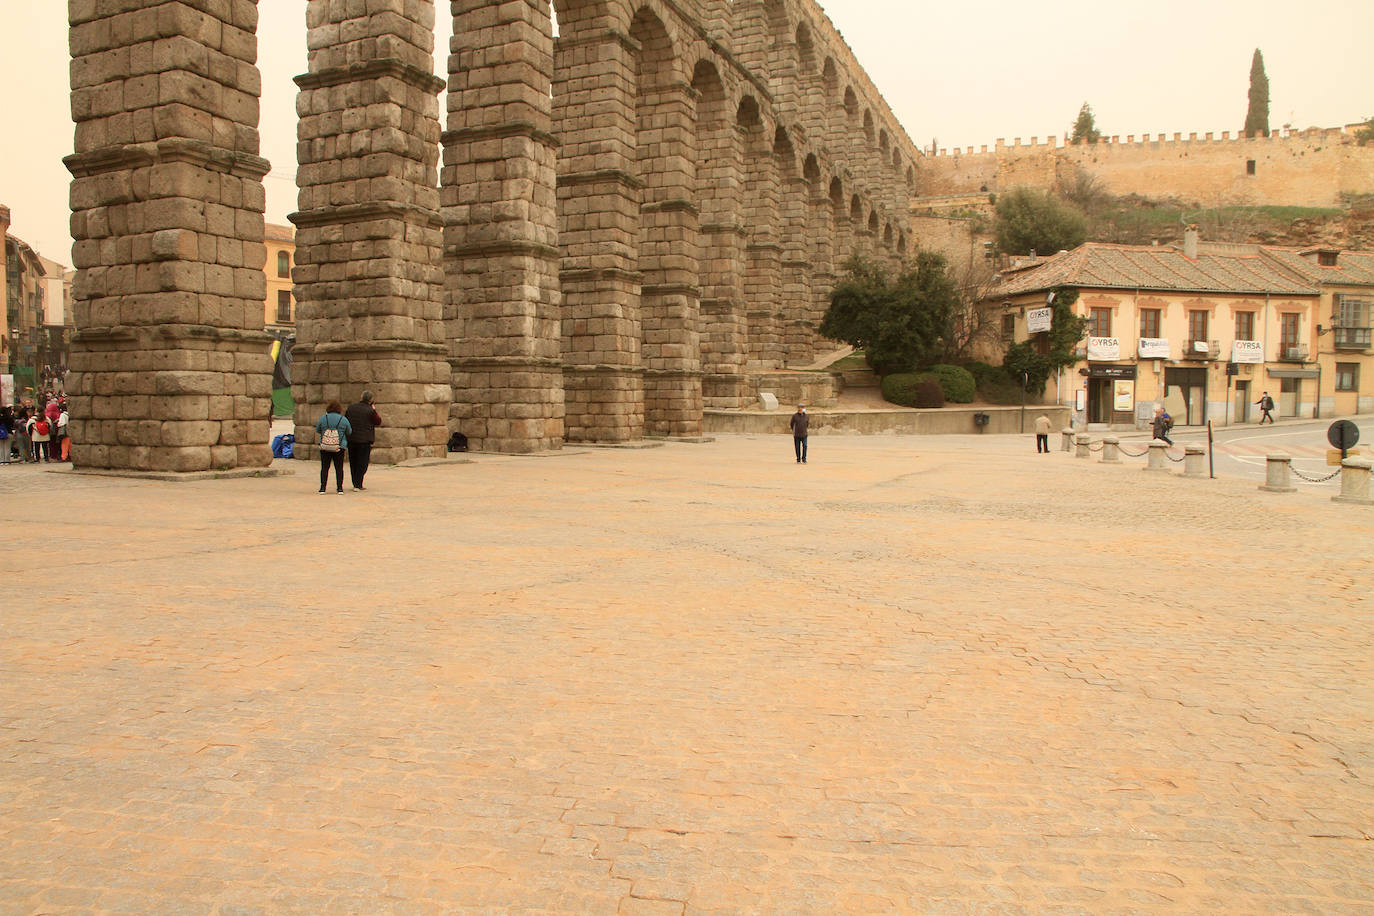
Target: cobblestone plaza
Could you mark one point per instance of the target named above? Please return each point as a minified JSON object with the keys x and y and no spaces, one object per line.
{"x":914,"y":675}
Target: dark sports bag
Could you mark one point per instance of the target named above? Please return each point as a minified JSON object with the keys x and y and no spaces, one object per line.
{"x":457,"y":443}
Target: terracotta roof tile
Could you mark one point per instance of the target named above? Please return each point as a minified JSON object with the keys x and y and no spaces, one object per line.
{"x":1100,"y":266}
{"x":1352,"y":268}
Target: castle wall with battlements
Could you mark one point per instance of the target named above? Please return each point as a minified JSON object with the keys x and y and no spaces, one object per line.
{"x":1311,"y":168}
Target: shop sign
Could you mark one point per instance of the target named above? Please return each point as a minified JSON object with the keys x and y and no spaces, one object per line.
{"x":1152,"y":348}
{"x":1123,"y":394}
{"x":1109,"y":371}
{"x":1247,"y":351}
{"x":6,"y":389}
{"x":1104,"y":348}
{"x":1038,"y":320}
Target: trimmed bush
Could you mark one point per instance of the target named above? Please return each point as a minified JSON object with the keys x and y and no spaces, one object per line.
{"x":900,"y":388}
{"x":929,"y":393}
{"x":956,"y":383}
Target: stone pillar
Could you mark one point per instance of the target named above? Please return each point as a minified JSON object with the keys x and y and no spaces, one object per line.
{"x":1355,"y":482}
{"x":1194,"y":461}
{"x":1066,"y":439}
{"x":1276,"y":474}
{"x":1111,"y":450}
{"x":720,"y":187}
{"x":821,"y":235}
{"x":598,"y":196}
{"x":764,"y":261}
{"x":368,"y":274}
{"x":1082,"y":449}
{"x":794,"y":311}
{"x":670,"y":297}
{"x":498,"y":193}
{"x":1158,"y":458}
{"x":170,"y":366}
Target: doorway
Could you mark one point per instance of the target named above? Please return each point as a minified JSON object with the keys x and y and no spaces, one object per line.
{"x":1185,"y":395}
{"x":1289,"y":389}
{"x":1242,"y":411}
{"x":1099,"y":400}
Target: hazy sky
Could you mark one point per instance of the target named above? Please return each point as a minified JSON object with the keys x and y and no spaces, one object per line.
{"x":963,"y":73}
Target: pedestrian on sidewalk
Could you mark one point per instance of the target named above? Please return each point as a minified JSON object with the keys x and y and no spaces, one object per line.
{"x":6,"y":433}
{"x":801,"y":423}
{"x":1266,"y":404}
{"x":1042,"y":435}
{"x":363,"y":418}
{"x":41,"y":436}
{"x":332,"y":446}
{"x":1161,"y":424}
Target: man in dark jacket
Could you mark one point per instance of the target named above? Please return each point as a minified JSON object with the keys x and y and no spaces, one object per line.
{"x":801,"y":422}
{"x":363,"y":417}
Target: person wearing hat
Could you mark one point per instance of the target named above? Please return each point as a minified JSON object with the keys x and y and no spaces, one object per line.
{"x":363,"y":418}
{"x":801,"y":422}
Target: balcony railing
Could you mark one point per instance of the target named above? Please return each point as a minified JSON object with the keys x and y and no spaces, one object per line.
{"x":1353,"y":338}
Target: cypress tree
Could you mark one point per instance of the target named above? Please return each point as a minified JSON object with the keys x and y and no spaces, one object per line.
{"x":1085,"y":129}
{"x":1257,"y":117}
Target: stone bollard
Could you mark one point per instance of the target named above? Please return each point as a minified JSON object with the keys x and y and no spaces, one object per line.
{"x":1081,"y":441}
{"x":1158,"y":461}
{"x":1111,"y":451}
{"x":1355,"y":482}
{"x":1276,"y":471}
{"x":1194,"y":464}
{"x":1067,"y":444}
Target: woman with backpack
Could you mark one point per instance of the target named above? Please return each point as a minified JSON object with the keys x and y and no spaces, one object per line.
{"x":332,"y":429}
{"x":41,"y":436}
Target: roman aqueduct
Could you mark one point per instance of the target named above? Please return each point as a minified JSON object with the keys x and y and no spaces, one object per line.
{"x":628,"y":219}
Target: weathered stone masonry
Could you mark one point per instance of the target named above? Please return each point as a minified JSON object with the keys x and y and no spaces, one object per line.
{"x":170,"y":365}
{"x":629,"y":220}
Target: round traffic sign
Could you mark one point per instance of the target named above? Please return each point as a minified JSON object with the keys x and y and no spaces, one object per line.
{"x":1343,"y":434}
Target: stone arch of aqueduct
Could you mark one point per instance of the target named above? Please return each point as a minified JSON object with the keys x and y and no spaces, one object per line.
{"x":627,"y":220}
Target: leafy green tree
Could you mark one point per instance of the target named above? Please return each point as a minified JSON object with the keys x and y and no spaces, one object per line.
{"x":1085,"y":128}
{"x":901,"y":324}
{"x":1257,"y":116}
{"x":1024,"y":363}
{"x":1030,"y":220}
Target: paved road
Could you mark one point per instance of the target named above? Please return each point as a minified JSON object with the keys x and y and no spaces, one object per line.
{"x":933,"y":675}
{"x":1241,"y":451}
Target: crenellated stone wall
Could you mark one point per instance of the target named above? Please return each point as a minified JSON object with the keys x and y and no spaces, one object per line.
{"x":1309,"y":168}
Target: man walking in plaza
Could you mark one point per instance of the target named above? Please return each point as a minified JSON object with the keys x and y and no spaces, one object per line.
{"x":364,"y":419}
{"x":1042,"y":435}
{"x":801,"y":423}
{"x":1266,"y":404}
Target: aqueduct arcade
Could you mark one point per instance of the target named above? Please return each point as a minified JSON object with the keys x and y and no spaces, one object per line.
{"x":614,"y":228}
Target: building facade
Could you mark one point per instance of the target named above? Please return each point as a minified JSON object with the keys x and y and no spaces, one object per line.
{"x":279,"y":306}
{"x":1204,"y":334}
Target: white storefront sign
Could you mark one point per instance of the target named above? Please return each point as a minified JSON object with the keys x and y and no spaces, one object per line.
{"x":6,"y":389}
{"x":1104,"y":348}
{"x":1247,"y":351}
{"x":1038,"y":320}
{"x":1152,"y":348}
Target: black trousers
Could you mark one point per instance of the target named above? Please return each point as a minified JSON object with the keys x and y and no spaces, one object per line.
{"x":359,"y":454}
{"x":1042,"y":442}
{"x":326,"y":459}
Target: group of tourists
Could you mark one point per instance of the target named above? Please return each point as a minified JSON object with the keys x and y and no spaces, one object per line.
{"x":30,"y":433}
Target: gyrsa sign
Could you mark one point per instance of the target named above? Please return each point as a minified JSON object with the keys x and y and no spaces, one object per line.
{"x":1104,"y":348}
{"x":1038,"y":320}
{"x":1247,"y":351}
